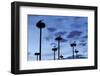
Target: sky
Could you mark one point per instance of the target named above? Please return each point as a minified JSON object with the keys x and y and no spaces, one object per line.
{"x":70,"y":28}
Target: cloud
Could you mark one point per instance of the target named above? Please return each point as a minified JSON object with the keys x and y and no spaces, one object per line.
{"x":64,"y":40}
{"x":85,"y":51}
{"x":78,"y":18}
{"x":75,"y":25}
{"x":60,"y":19}
{"x":73,"y":34}
{"x":82,"y":40}
{"x":79,"y":22}
{"x":82,"y":44}
{"x":53,"y":44}
{"x":48,"y":38}
{"x":85,"y":37}
{"x":51,"y":29}
{"x":28,"y":53}
{"x":79,"y":56}
{"x":60,"y":33}
{"x":63,"y":18}
{"x":86,"y":23}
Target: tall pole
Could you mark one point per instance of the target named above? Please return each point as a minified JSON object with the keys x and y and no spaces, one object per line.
{"x":76,"y":55}
{"x":40,"y":42}
{"x":73,"y":45}
{"x":58,"y":49}
{"x":37,"y":57}
{"x":73,"y":52}
{"x":54,"y":55}
{"x":54,"y":50}
{"x":37,"y":54}
{"x":40,"y":25}
{"x":61,"y":56}
{"x":76,"y":51}
{"x":59,"y":38}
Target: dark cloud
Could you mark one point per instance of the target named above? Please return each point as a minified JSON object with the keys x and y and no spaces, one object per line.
{"x":85,"y":37}
{"x":51,"y":29}
{"x":63,"y":18}
{"x":60,"y":33}
{"x":29,"y":53}
{"x":77,"y":18}
{"x":59,"y":19}
{"x":82,"y":40}
{"x":79,"y":22}
{"x":78,"y":57}
{"x":78,"y":25}
{"x":64,"y":40}
{"x":84,"y":19}
{"x":48,"y":38}
{"x":74,"y":34}
{"x":86,"y":23}
{"x":82,"y":44}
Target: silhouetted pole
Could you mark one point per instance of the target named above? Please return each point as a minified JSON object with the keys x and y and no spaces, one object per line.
{"x":73,"y":45}
{"x":37,"y":54}
{"x":76,"y":51}
{"x":61,"y":56}
{"x":54,"y":50}
{"x":58,"y":39}
{"x":40,"y":25}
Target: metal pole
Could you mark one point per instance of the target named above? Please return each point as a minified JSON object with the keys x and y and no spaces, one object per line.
{"x":76,"y":55}
{"x":58,"y":50}
{"x":54,"y":55}
{"x":73,"y":52}
{"x":40,"y":42}
{"x":37,"y":57}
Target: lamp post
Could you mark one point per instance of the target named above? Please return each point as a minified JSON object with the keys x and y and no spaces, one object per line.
{"x":40,"y":25}
{"x":54,"y":49}
{"x":37,"y":54}
{"x":76,"y":51}
{"x":59,"y":38}
{"x":61,"y":56}
{"x":73,"y":45}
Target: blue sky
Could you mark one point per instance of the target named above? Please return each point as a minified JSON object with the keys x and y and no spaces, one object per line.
{"x":71,"y":28}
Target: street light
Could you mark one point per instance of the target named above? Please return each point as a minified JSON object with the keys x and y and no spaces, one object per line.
{"x":37,"y":54}
{"x":61,"y":56}
{"x":54,"y":49}
{"x":76,"y":51}
{"x":59,"y":38}
{"x":40,"y":25}
{"x":73,"y":45}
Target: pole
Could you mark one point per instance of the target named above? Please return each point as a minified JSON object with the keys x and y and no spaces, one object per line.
{"x":76,"y":55}
{"x":54,"y":55}
{"x":40,"y":42}
{"x":37,"y":57}
{"x":58,"y":49}
{"x":73,"y":52}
